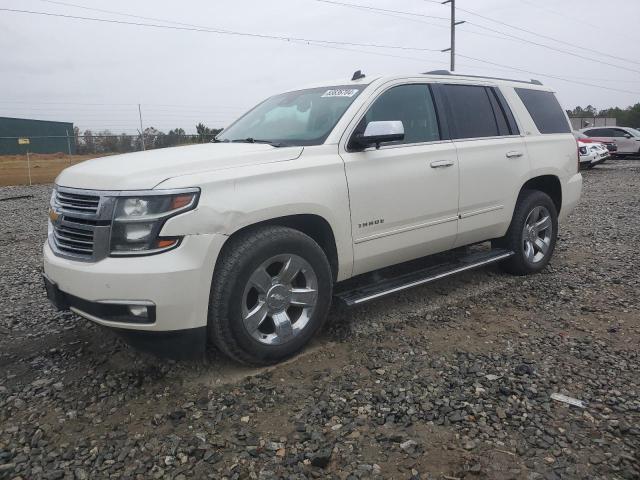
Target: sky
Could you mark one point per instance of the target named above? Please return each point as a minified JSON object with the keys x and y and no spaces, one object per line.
{"x":95,"y":74}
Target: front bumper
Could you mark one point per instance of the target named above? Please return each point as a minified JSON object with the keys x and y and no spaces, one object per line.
{"x":176,"y":283}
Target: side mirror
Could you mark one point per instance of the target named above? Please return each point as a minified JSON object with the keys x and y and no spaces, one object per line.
{"x":380,"y":132}
{"x":627,"y":136}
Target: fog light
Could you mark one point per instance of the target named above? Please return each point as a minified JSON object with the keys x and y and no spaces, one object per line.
{"x":138,"y":310}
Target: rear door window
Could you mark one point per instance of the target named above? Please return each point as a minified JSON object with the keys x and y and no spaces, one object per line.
{"x":476,"y":112}
{"x":545,"y":110}
{"x":471,"y":112}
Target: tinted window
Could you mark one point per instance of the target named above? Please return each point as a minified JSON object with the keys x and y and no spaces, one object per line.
{"x":501,"y":120}
{"x":620,"y":133}
{"x":600,"y":132}
{"x":411,"y":104}
{"x":506,"y":110}
{"x":545,"y":110}
{"x":471,"y":111}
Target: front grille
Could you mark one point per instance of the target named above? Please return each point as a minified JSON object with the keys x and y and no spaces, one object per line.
{"x":81,"y":224}
{"x":77,"y":202}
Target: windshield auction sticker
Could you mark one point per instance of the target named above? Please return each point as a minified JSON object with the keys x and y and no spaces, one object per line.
{"x":340,"y":92}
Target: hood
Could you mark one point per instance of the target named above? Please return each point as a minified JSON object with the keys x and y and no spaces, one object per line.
{"x":145,"y":170}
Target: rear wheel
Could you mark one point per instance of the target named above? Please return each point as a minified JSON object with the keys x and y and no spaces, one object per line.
{"x":532,"y":234}
{"x":270,"y":294}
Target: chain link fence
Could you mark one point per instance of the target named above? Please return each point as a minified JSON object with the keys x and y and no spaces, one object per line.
{"x":39,"y":159}
{"x":97,"y":144}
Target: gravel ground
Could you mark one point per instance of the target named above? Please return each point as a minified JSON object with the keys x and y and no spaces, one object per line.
{"x":451,"y":380}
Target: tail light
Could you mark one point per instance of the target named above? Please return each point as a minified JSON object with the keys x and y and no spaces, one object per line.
{"x":578,"y":156}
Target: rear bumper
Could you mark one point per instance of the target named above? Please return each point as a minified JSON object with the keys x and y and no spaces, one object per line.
{"x":174,"y":284}
{"x":570,"y":195}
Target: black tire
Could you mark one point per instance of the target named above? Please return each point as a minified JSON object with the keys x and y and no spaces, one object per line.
{"x":239,"y":260}
{"x":514,"y":240}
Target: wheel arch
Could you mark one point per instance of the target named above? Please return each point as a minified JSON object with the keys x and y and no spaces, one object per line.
{"x":312,"y":225}
{"x":549,"y":184}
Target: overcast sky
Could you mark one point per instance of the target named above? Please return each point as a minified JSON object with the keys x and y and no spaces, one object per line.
{"x":95,"y":74}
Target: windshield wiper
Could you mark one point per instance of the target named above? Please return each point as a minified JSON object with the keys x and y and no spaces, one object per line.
{"x":254,"y":140}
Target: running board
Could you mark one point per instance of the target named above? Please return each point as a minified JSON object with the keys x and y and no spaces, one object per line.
{"x":366,"y":293}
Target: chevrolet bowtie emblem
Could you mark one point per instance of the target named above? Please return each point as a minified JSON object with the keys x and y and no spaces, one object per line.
{"x":53,"y":215}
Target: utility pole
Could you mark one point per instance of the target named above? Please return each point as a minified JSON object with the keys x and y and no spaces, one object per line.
{"x":452,"y":49}
{"x":141,"y":128}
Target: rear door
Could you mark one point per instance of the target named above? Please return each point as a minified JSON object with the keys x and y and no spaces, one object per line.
{"x":404,"y":195}
{"x":492,"y":157}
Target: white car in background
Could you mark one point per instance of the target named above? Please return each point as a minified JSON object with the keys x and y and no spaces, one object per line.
{"x":592,"y":154}
{"x":626,"y":139}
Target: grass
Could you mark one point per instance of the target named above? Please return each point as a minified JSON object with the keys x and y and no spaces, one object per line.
{"x":44,"y":167}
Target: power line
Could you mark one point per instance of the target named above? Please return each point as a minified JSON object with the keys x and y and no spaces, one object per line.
{"x":404,"y":16}
{"x":319,"y":43}
{"x":531,"y":32}
{"x":530,"y":72}
{"x":483,"y":27}
{"x":220,"y":32}
{"x":367,"y":7}
{"x":119,"y":105}
{"x":555,"y":49}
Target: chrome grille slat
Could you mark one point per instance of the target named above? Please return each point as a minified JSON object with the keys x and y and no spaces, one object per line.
{"x":78,"y":196}
{"x":77,"y":202}
{"x":74,"y":231}
{"x":67,"y":206}
{"x":80,"y":201}
{"x":62,"y":238}
{"x":75,"y":250}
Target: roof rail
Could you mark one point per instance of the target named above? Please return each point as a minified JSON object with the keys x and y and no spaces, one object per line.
{"x":447,"y":72}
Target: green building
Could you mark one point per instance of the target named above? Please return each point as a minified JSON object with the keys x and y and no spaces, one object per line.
{"x":17,"y":135}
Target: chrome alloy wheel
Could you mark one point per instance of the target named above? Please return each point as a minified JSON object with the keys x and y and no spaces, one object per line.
{"x":279,"y":299}
{"x":536,"y":234}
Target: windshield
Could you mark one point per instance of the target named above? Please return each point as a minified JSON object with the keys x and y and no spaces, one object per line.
{"x":634,"y":132}
{"x":303,"y":117}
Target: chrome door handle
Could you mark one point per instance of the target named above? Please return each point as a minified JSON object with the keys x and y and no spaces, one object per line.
{"x":441,"y":163}
{"x":514,"y":154}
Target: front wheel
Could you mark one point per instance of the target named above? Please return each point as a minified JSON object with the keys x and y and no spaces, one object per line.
{"x":532,"y":234}
{"x":270,"y":294}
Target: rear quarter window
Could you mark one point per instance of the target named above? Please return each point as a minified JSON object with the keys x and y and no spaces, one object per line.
{"x":545,"y":110}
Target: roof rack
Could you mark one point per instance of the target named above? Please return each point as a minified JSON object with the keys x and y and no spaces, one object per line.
{"x":447,"y":72}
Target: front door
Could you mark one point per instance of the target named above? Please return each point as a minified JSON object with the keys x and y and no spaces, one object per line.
{"x":404,"y":195}
{"x":625,"y":145}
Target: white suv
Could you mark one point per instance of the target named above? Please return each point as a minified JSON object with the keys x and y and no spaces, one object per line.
{"x":241,"y":242}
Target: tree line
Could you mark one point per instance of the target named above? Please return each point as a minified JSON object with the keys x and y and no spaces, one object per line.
{"x":626,"y":117}
{"x":105,"y":141}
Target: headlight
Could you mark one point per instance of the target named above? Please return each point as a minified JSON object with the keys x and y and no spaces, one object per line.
{"x":137,"y":221}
